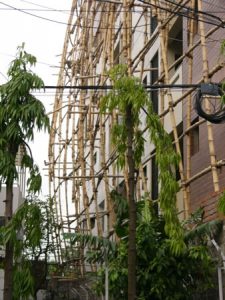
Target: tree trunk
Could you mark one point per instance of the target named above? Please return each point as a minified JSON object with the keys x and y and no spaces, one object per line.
{"x":132,"y":207}
{"x":8,"y":264}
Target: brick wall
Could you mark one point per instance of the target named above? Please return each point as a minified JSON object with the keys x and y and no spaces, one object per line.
{"x":201,"y":190}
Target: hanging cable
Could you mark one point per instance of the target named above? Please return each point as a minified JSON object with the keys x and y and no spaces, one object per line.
{"x":206,"y":91}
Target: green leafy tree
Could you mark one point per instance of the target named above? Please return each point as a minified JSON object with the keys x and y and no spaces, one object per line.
{"x":161,"y":273}
{"x":20,"y":114}
{"x":30,"y":233}
{"x":129,"y":97}
{"x":172,"y":260}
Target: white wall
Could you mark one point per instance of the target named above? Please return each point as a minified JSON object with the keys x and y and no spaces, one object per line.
{"x":17,"y":199}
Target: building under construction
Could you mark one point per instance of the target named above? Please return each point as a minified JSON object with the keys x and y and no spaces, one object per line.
{"x":172,"y":45}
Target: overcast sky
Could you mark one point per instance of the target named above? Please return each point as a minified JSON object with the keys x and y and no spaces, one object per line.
{"x":42,"y":38}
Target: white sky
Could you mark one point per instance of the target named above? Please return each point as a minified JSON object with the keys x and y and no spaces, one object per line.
{"x":42,"y":38}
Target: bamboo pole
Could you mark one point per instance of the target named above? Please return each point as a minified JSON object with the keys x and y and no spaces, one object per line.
{"x":189,"y":106}
{"x":111,"y":215}
{"x":51,"y":151}
{"x":81,"y":120}
{"x":92,"y":137}
{"x":171,"y":110}
{"x":106,"y":56}
{"x":207,"y":80}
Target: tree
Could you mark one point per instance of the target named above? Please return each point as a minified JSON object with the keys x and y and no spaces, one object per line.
{"x":129,"y":97}
{"x":161,"y":274}
{"x":173,"y":260}
{"x":30,"y":233}
{"x":20,"y":114}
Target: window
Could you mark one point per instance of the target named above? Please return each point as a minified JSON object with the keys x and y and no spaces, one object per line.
{"x":153,"y":78}
{"x":2,"y":221}
{"x":145,"y":172}
{"x":95,"y":158}
{"x":117,"y":54}
{"x":154,"y":179}
{"x":178,"y":51}
{"x":194,"y":138}
{"x":154,"y":183}
{"x":179,"y":133}
{"x":145,"y":80}
{"x":153,"y":23}
{"x":102,"y":214}
{"x":92,"y":221}
{"x":175,"y":44}
{"x":195,"y":15}
{"x":84,"y":223}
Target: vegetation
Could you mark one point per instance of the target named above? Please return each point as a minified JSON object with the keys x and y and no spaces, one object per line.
{"x":30,"y":234}
{"x":161,"y":273}
{"x":166,"y":266}
{"x":20,"y":114}
{"x":129,"y":97}
{"x":128,"y":89}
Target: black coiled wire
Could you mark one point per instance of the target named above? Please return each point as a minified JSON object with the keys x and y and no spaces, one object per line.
{"x":216,"y":117}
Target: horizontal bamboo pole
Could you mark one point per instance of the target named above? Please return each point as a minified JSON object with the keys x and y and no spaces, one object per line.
{"x":218,"y":164}
{"x":87,"y":176}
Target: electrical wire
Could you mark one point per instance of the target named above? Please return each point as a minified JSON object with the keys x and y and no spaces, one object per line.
{"x":33,"y":15}
{"x":193,"y":11}
{"x":35,"y":4}
{"x":36,"y":9}
{"x":37,"y":62}
{"x":133,"y":9}
{"x":109,"y":87}
{"x":218,"y":116}
{"x":182,"y":14}
{"x":65,"y":10}
{"x":106,"y":28}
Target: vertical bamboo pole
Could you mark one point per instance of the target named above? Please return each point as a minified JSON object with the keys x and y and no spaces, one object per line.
{"x":53,"y":133}
{"x":91,"y":121}
{"x":81,"y":125}
{"x":107,"y":23}
{"x":109,"y":208}
{"x":67,"y":142}
{"x":171,"y":109}
{"x":207,"y":80}
{"x":189,"y":102}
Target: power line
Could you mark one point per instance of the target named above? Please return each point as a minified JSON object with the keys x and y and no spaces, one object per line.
{"x":35,"y":4}
{"x":186,"y":15}
{"x":92,"y":11}
{"x":110,"y":87}
{"x":198,"y":11}
{"x":33,"y":15}
{"x":147,"y":3}
{"x":37,"y":9}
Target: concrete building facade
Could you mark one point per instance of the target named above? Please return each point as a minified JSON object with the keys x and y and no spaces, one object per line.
{"x":176,"y":45}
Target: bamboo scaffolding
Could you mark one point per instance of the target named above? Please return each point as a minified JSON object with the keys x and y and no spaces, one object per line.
{"x":51,"y":151}
{"x":79,"y":131}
